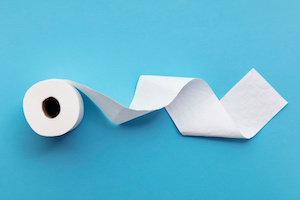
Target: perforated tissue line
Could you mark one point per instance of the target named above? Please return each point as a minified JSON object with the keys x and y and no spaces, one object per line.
{"x":54,"y":107}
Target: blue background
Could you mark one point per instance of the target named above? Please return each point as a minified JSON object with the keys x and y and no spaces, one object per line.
{"x":107,"y":45}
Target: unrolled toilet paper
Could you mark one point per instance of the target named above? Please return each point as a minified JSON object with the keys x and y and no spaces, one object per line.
{"x":54,"y":107}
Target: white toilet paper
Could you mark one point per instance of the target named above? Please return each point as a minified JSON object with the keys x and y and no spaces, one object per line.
{"x":54,"y":107}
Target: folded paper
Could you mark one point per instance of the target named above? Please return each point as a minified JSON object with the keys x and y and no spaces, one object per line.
{"x":54,"y":107}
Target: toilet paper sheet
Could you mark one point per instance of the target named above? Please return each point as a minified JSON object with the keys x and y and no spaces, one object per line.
{"x":190,"y":102}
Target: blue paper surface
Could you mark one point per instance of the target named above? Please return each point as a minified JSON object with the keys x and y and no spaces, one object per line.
{"x":107,"y":45}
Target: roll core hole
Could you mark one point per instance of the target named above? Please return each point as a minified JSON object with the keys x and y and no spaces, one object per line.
{"x":51,"y":107}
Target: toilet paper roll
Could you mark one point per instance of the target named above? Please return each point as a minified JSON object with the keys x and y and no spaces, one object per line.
{"x":54,"y":107}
